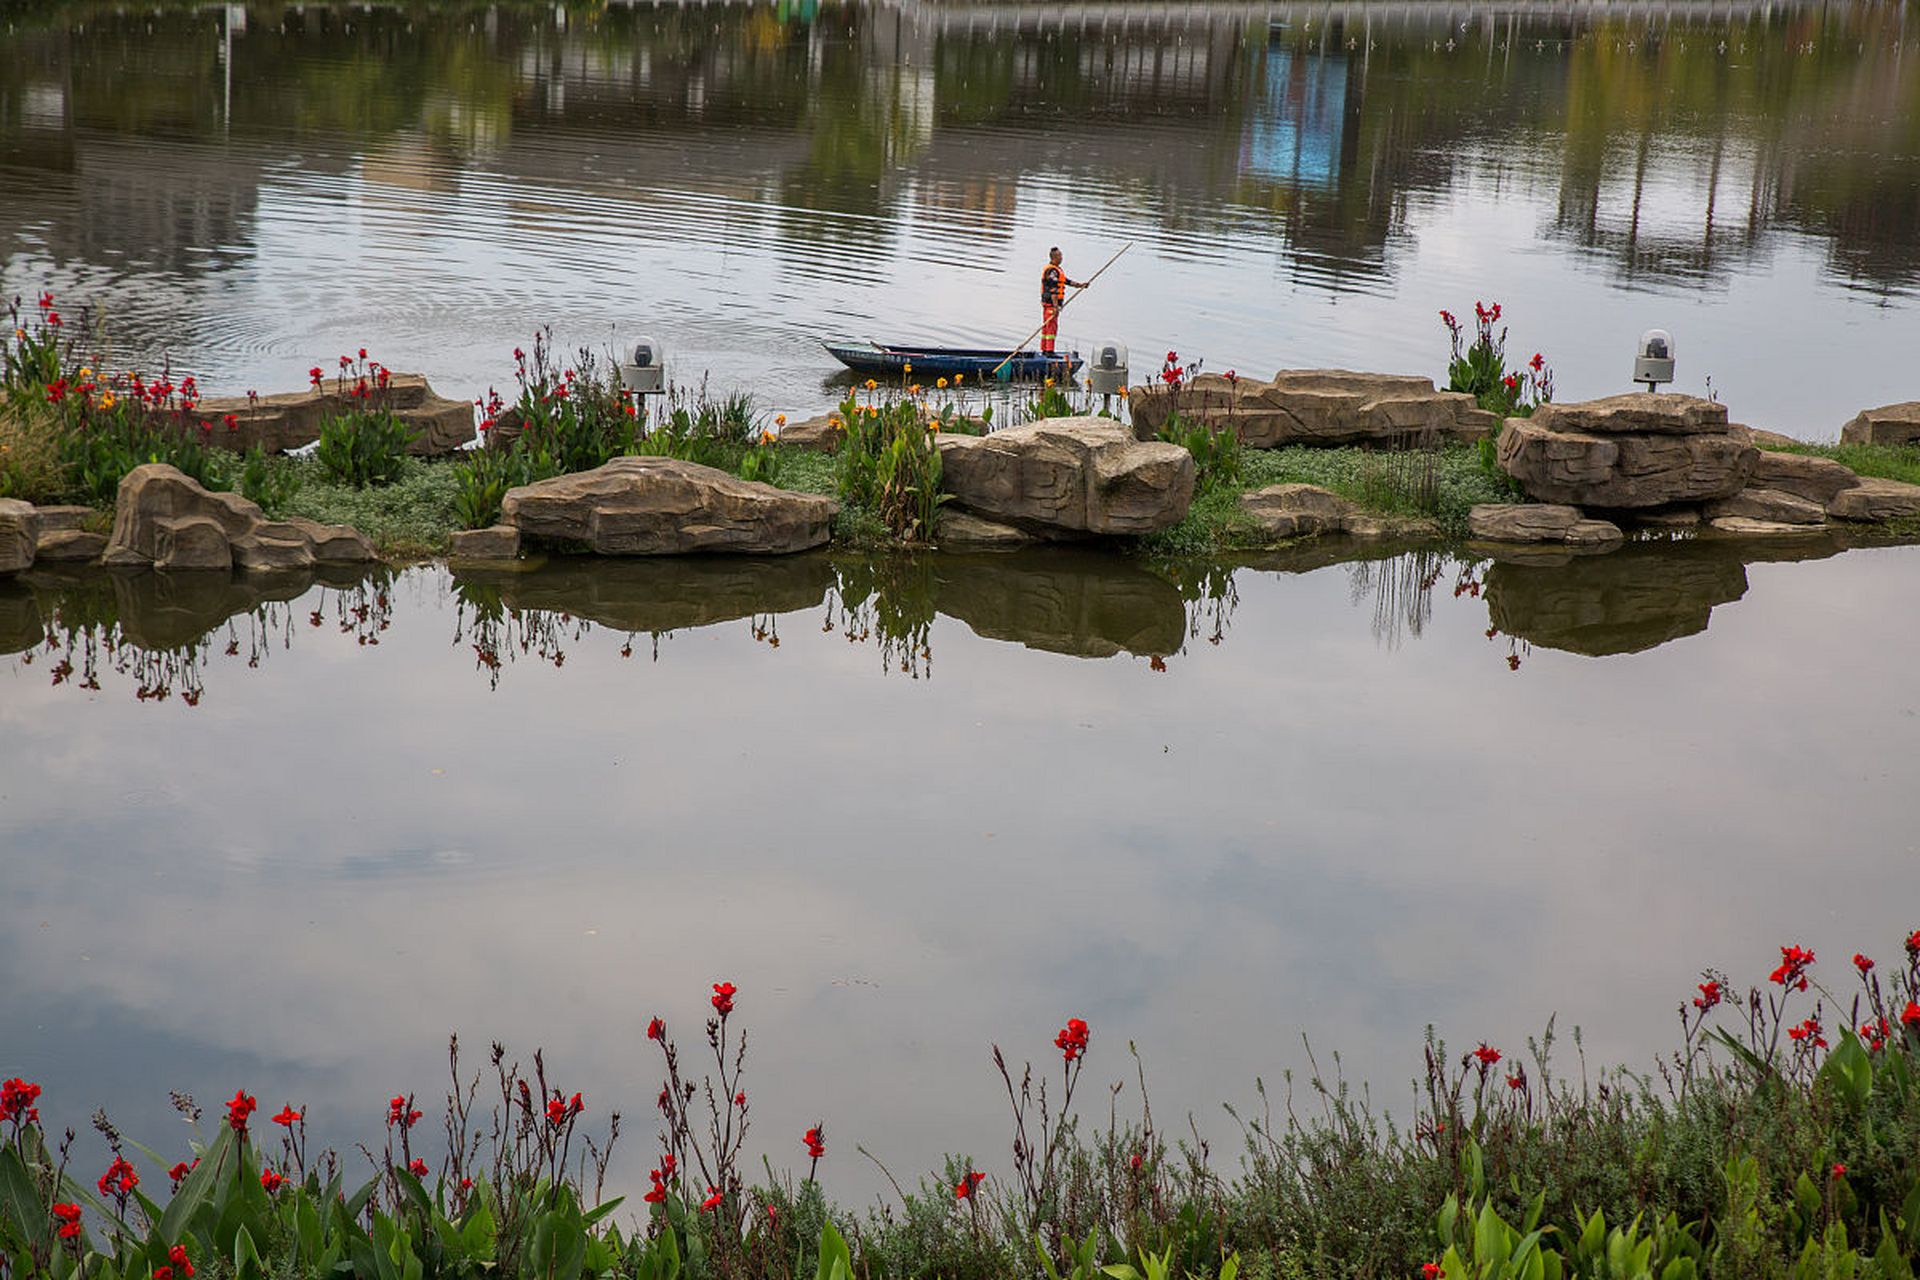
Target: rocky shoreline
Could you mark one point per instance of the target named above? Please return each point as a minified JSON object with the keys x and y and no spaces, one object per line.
{"x":1595,"y":474}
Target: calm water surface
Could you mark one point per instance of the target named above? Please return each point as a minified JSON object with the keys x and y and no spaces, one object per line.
{"x":254,"y":189}
{"x":913,"y":807}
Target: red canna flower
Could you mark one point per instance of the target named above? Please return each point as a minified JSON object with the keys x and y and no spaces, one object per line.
{"x":1794,"y":963}
{"x":270,"y":1181}
{"x":963,"y":1189}
{"x":163,"y":1272}
{"x":119,"y":1180}
{"x":1913,"y":945}
{"x":1429,"y":1271}
{"x":286,"y":1117}
{"x":1516,"y":1082}
{"x":418,"y":1168}
{"x":1487,"y":1054}
{"x":1537,"y":363}
{"x":68,"y":1216}
{"x":723,"y":993}
{"x":46,"y":301}
{"x":1839,"y":1172}
{"x":740,"y":1099}
{"x":656,"y":1030}
{"x":16,"y":1100}
{"x":242,"y":1106}
{"x":1862,"y":963}
{"x":1133,"y":1162}
{"x":1072,"y":1040}
{"x":1511,"y":382}
{"x":1808,"y":1033}
{"x":1910,"y":1016}
{"x":363,"y":353}
{"x":180,"y":1171}
{"x":400,"y":1111}
{"x":714,"y":1197}
{"x":1709,"y":996}
{"x":178,"y":1257}
{"x":815,"y":1142}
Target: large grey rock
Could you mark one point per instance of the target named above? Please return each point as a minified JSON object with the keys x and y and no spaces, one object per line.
{"x":1636,"y":413}
{"x":1874,"y":499}
{"x":499,"y":542}
{"x":19,"y":535}
{"x":1315,"y":406}
{"x":53,"y":519}
{"x":191,"y":542}
{"x":334,"y":543}
{"x":69,"y":546}
{"x":1889,"y":424}
{"x":273,"y":546}
{"x":664,"y":506}
{"x":1539,"y":522}
{"x":293,"y":419}
{"x":1297,"y":510}
{"x":1620,"y":471}
{"x":1772,"y":506}
{"x":1069,"y":476}
{"x":957,"y":530}
{"x":1817,"y":480}
{"x":155,"y":493}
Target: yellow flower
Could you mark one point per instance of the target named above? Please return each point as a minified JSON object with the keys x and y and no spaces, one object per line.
{"x":942,"y":384}
{"x":914,"y":389}
{"x":766,"y":437}
{"x":934,"y":425}
{"x":1049,"y":381}
{"x":1123,"y":393}
{"x":958,"y":378}
{"x":833,"y":419}
{"x":779,"y":419}
{"x":871,"y":384}
{"x":106,"y":401}
{"x":907,"y":369}
{"x":85,"y":372}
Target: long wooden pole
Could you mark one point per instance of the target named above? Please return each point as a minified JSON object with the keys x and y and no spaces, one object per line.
{"x":1063,"y":306}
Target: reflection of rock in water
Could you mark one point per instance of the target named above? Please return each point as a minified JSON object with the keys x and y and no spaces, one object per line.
{"x":661,"y":594}
{"x":1081,"y":603}
{"x":168,"y":610}
{"x":1636,"y":598}
{"x":20,"y":624}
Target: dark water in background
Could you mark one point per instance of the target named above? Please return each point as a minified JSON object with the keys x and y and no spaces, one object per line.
{"x":916,"y":806}
{"x":254,"y":189}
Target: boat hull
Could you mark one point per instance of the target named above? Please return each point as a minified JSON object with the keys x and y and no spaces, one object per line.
{"x":879,"y":359}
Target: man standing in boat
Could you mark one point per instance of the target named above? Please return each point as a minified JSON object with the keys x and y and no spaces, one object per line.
{"x":1053,"y":295}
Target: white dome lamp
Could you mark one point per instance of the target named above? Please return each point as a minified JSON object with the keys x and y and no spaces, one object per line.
{"x":1653,"y":362}
{"x":646,"y":373}
{"x":1107,"y":372}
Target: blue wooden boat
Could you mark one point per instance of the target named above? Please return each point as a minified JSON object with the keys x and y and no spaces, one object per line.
{"x":877,"y":359}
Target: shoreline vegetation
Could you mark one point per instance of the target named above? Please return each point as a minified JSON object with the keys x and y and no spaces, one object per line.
{"x":1780,"y":1139}
{"x":70,"y":431}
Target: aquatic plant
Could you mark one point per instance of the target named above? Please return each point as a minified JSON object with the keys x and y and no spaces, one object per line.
{"x":1479,"y":368}
{"x":366,"y":444}
{"x":889,"y":462}
{"x":1216,"y":448}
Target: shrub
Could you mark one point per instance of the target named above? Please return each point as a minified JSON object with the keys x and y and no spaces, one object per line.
{"x":572,"y":418}
{"x":269,"y":482}
{"x":889,"y":463}
{"x":1480,"y":367}
{"x":30,"y":453}
{"x":482,"y":480}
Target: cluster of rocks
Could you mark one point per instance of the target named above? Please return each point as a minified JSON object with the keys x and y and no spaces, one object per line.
{"x":1668,"y":462}
{"x":1315,"y":407}
{"x":166,"y":520}
{"x":291,"y":420}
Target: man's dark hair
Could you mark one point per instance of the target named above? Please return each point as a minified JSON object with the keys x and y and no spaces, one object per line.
{"x":1053,"y":250}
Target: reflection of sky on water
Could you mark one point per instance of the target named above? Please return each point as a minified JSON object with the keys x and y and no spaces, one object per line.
{"x":303,"y":884}
{"x":746,"y":182}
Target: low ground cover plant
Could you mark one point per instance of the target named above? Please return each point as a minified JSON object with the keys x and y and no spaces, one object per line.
{"x":1781,"y":1138}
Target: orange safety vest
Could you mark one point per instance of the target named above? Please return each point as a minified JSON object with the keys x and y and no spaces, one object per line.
{"x":1053,"y":286}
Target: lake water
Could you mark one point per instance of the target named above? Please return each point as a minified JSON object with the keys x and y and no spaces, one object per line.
{"x":254,"y":190}
{"x":913,"y":807}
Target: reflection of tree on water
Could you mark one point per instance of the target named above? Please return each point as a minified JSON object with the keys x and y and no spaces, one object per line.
{"x":890,"y":599}
{"x":160,"y":633}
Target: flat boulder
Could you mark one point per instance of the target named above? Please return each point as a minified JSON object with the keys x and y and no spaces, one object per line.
{"x":957,"y":530}
{"x":1315,"y":407}
{"x":1067,"y":476}
{"x":1522,"y":521}
{"x":1773,"y":506}
{"x":644,"y":506}
{"x":153,"y":495}
{"x":291,"y":419}
{"x":19,"y":535}
{"x":1683,"y":452}
{"x":334,"y":543}
{"x":1875,"y":499}
{"x":497,"y":542}
{"x":1297,"y":510}
{"x":1889,"y":424}
{"x":1818,"y":480}
{"x":69,"y":546}
{"x":191,"y":542}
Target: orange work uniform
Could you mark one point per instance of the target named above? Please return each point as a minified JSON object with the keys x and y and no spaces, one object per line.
{"x":1053,"y":296}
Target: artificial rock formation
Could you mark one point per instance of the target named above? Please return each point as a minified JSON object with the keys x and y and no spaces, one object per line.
{"x":1889,"y":424}
{"x":19,"y":535}
{"x":634,"y":506}
{"x":1315,"y":407}
{"x":1627,"y":452}
{"x":1540,"y":522}
{"x":1818,"y":480}
{"x":500,"y":542}
{"x":293,"y":419}
{"x":166,"y":519}
{"x":1874,"y":499}
{"x":1297,"y":510}
{"x":1069,"y":476}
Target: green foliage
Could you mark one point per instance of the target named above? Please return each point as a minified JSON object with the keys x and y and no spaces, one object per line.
{"x":363,"y":446}
{"x":889,"y":464}
{"x":268,"y":482}
{"x":1479,"y":368}
{"x":571,"y":418}
{"x":482,"y":478}
{"x":1217,"y":451}
{"x":409,"y":516}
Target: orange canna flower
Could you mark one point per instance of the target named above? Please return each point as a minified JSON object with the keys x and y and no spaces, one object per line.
{"x":780,"y":419}
{"x":941,"y":383}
